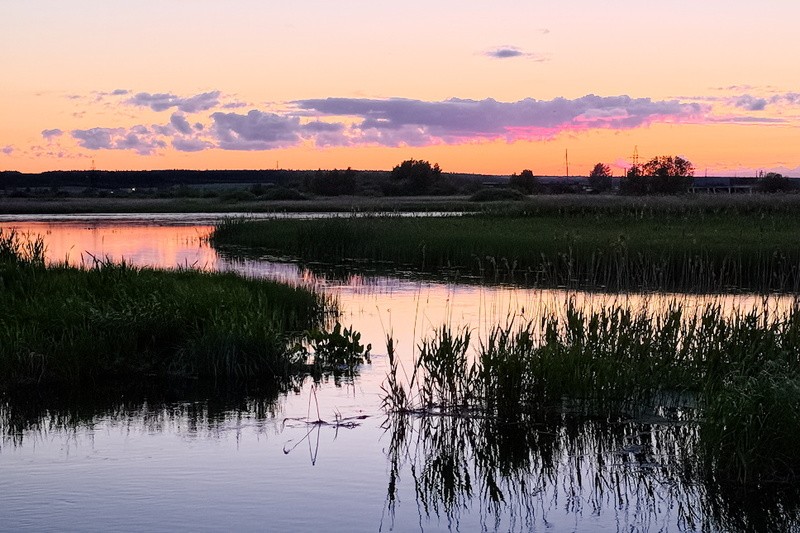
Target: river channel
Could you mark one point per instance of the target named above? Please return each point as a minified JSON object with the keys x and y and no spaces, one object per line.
{"x":212,"y":462}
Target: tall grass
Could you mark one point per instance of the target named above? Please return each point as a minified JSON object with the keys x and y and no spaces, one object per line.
{"x":741,"y":372}
{"x":83,"y":325}
{"x":626,"y":247}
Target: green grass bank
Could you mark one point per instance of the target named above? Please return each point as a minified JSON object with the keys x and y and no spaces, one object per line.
{"x":66,"y":325}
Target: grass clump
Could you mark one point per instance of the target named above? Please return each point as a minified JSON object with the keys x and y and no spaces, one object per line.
{"x":497,"y":195}
{"x":739,"y":375}
{"x":339,"y":350}
{"x":61,"y":324}
{"x":751,"y":426}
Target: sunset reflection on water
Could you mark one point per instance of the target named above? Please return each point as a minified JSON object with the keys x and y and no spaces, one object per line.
{"x":409,"y":309}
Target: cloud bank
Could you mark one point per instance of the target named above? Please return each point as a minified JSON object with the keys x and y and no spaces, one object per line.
{"x":140,"y":139}
{"x":458,"y":120}
{"x":367,"y":121}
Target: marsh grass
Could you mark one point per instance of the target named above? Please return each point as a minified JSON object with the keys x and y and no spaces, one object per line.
{"x":703,"y":248}
{"x":739,"y":377}
{"x":335,"y":351}
{"x":61,"y":324}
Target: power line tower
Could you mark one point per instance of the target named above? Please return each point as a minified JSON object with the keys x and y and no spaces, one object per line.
{"x":635,"y":158}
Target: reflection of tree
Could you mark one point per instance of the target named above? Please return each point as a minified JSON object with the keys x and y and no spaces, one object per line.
{"x":522,"y":474}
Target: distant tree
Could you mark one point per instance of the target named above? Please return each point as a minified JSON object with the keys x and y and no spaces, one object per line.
{"x":333,"y":182}
{"x":774,"y":182}
{"x":416,"y":176}
{"x":525,"y":182}
{"x":600,"y":178}
{"x":660,"y":175}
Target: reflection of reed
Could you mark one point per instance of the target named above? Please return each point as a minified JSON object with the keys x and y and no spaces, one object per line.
{"x":613,"y":409}
{"x":521,"y":474}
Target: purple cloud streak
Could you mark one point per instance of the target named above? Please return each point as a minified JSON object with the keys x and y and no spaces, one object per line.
{"x":164,"y":101}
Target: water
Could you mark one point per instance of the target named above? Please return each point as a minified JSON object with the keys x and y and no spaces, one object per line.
{"x":199,"y":461}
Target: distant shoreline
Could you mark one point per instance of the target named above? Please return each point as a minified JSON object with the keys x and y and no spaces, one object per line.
{"x":391,"y":204}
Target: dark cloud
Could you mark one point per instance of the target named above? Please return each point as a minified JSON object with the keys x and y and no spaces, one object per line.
{"x":455,"y":119}
{"x":7,"y":150}
{"x":504,"y":53}
{"x":322,"y":127}
{"x":166,"y":130}
{"x":734,"y":88}
{"x":139,"y":143}
{"x":786,"y":98}
{"x":96,"y":138}
{"x":255,"y":130}
{"x":139,"y":139}
{"x":748,"y":120}
{"x":180,"y":123}
{"x":189,"y":145}
{"x":751,"y":103}
{"x":509,"y":52}
{"x":119,"y":92}
{"x":52,"y":134}
{"x":386,"y":122}
{"x":164,"y":101}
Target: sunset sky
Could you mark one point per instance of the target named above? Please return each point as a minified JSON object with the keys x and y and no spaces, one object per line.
{"x":477,"y":86}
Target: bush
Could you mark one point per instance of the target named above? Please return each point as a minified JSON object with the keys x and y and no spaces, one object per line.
{"x":774,"y":182}
{"x":525,"y":182}
{"x":282,"y":193}
{"x":416,"y":177}
{"x":496,"y":195}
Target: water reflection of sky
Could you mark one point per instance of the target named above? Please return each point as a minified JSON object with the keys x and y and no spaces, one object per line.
{"x":167,"y":469}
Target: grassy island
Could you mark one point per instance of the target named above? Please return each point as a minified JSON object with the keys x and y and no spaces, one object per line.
{"x":66,"y":325}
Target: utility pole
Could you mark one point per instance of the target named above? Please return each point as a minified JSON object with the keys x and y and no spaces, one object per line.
{"x":566,"y":159}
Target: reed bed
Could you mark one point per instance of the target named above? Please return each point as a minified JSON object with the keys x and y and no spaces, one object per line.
{"x":739,"y":376}
{"x":620,"y":246}
{"x":61,"y":324}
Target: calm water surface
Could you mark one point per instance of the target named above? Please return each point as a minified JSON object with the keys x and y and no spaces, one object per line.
{"x":254,"y":463}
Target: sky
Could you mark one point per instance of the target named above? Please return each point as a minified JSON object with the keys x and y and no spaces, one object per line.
{"x":476,"y":86}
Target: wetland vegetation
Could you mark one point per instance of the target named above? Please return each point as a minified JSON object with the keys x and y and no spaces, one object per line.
{"x":67,"y":325}
{"x":701,"y":245}
{"x":736,"y":378}
{"x":681,"y":415}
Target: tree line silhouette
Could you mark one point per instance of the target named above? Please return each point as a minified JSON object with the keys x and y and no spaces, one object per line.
{"x":412,"y":177}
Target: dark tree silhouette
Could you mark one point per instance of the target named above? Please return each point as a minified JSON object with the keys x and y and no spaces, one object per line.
{"x":600,"y":178}
{"x":774,"y":182}
{"x":525,"y":182}
{"x":416,"y":176}
{"x":333,"y":182}
{"x":660,"y":175}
